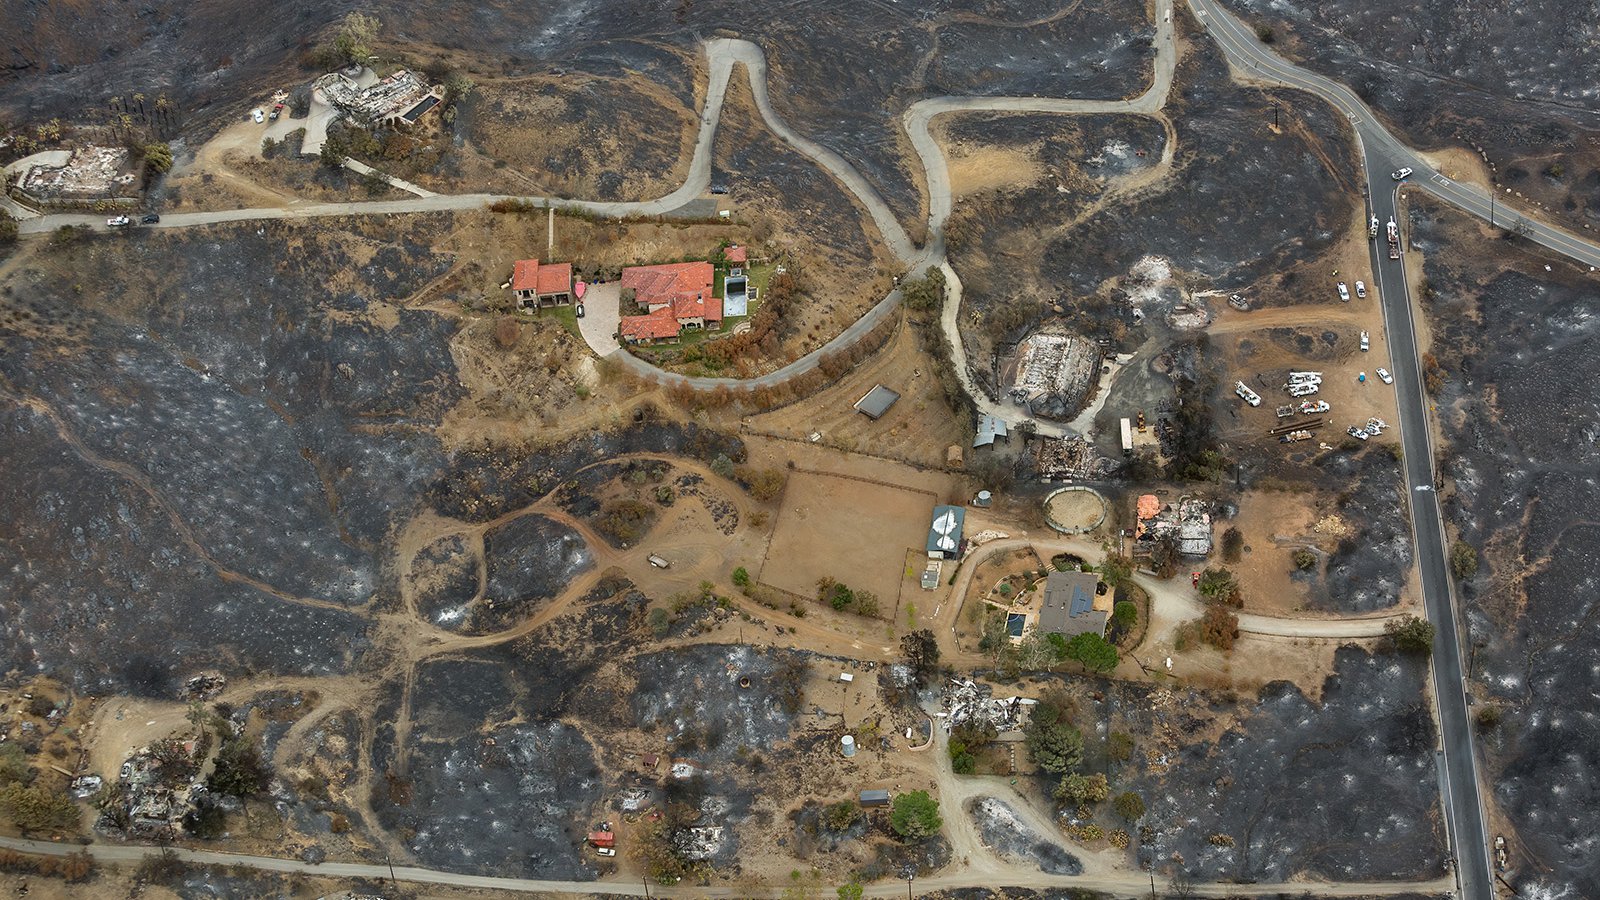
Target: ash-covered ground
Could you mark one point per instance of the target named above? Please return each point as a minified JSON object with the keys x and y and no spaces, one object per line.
{"x":1012,"y":839}
{"x":1277,"y":786}
{"x":1502,"y":80}
{"x":1243,"y":201}
{"x":839,"y":77}
{"x":1368,"y":570}
{"x":1517,"y":350}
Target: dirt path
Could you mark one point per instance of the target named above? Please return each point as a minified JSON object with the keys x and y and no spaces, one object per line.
{"x":1122,"y":885}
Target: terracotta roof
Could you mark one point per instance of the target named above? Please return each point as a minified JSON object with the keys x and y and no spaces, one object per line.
{"x":736,"y":254}
{"x":685,"y":287}
{"x":528,"y":275}
{"x":555,"y":278}
{"x":659,"y":324}
{"x":525,"y":275}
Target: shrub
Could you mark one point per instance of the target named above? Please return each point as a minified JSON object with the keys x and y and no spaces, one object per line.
{"x":1219,"y":586}
{"x":1082,"y":790}
{"x":741,"y":577}
{"x":1219,"y":628}
{"x":37,"y":808}
{"x":1410,"y":634}
{"x":8,"y":228}
{"x":1116,"y":570}
{"x":660,"y":622}
{"x":915,"y":816}
{"x":1232,"y":544}
{"x":1265,"y":33}
{"x":763,"y":484}
{"x":838,"y":817}
{"x":722,"y":465}
{"x":1463,"y":560}
{"x":625,"y":521}
{"x":1305,"y":560}
{"x":506,"y":332}
{"x":1129,"y":805}
{"x":1119,"y":746}
{"x":1124,"y":615}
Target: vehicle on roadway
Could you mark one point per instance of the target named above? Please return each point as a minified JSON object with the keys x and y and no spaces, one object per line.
{"x":1372,"y":228}
{"x":1361,"y":289}
{"x":1401,"y":174}
{"x":149,"y":219}
{"x":117,"y":221}
{"x":258,"y":116}
{"x":1365,"y":344}
{"x":1344,"y":292}
{"x":1384,"y":374}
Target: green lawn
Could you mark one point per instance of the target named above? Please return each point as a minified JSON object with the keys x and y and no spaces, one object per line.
{"x":566,"y":315}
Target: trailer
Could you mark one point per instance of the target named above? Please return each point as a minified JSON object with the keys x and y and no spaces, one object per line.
{"x":1285,"y":412}
{"x":1394,"y":239}
{"x":1127,"y":437}
{"x":1294,"y":437}
{"x":658,"y":562}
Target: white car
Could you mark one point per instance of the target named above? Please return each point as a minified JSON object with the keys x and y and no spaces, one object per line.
{"x":1357,"y":432}
{"x":1401,"y":174}
{"x":1344,"y":292}
{"x":118,"y":222}
{"x":1361,"y":289}
{"x":1365,"y":344}
{"x":258,"y":116}
{"x":1387,"y":378}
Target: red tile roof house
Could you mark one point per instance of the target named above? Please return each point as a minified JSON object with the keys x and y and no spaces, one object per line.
{"x":546,"y":285}
{"x":736,"y":255}
{"x":678,"y":296}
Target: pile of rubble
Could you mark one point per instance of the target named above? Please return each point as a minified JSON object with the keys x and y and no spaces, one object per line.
{"x":965,"y":702}
{"x":1051,"y":373}
{"x":1068,"y":459}
{"x":392,"y":97}
{"x":1187,"y":521}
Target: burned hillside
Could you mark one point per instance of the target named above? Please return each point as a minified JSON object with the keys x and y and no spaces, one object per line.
{"x":1492,"y":79}
{"x":1514,"y":350}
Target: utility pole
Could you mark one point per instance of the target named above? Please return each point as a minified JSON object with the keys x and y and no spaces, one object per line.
{"x":392,"y":879}
{"x":1491,"y":203}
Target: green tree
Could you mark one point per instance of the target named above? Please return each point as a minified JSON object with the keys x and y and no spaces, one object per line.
{"x":1092,"y":651}
{"x":1410,"y":634}
{"x":1218,"y":585}
{"x":1081,"y":790}
{"x":458,"y":87}
{"x":741,"y":577}
{"x":1053,"y":744}
{"x":1116,"y":570}
{"x":1124,"y":615}
{"x":37,"y":808}
{"x":1463,"y":560}
{"x":1129,"y":805}
{"x":157,"y":157}
{"x":915,"y":816}
{"x":353,"y":41}
{"x":240,"y":771}
{"x":14,"y":765}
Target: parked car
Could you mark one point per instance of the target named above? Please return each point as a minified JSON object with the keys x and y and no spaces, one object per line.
{"x":149,"y":219}
{"x":118,"y":221}
{"x":1361,"y":289}
{"x":579,"y":310}
{"x":1401,"y":174}
{"x":606,"y":851}
{"x":1344,"y":292}
{"x":1387,"y":378}
{"x":1357,"y":432}
{"x":257,"y":116}
{"x":1365,"y":344}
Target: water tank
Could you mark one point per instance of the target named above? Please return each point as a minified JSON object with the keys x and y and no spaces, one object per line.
{"x":849,"y":744}
{"x":985,"y":498}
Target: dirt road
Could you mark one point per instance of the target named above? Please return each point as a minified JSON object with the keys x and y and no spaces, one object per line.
{"x":1118,"y":885}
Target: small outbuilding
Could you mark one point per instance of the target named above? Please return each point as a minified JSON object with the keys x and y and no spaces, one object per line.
{"x":876,"y":402}
{"x":990,"y":429}
{"x":876,"y":797}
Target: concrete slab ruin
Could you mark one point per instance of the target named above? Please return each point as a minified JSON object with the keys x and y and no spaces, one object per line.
{"x":86,"y":174}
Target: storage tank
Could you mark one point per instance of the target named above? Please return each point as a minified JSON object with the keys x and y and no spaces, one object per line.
{"x":848,"y":743}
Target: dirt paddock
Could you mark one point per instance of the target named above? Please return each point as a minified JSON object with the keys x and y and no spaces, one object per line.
{"x":854,"y":530}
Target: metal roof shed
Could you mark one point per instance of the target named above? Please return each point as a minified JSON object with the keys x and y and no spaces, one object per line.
{"x":875,"y":798}
{"x":876,"y":402}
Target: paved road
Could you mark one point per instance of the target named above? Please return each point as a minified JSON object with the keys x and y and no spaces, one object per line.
{"x":1131,"y":885}
{"x":1382,"y":153}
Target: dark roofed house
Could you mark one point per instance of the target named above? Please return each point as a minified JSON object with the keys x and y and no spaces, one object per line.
{"x":876,"y":402}
{"x":1069,"y":605}
{"x":876,"y":797}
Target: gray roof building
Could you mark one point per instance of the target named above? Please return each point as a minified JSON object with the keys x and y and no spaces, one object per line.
{"x":877,"y":797}
{"x":990,"y":428}
{"x":1069,"y":605}
{"x":876,"y":402}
